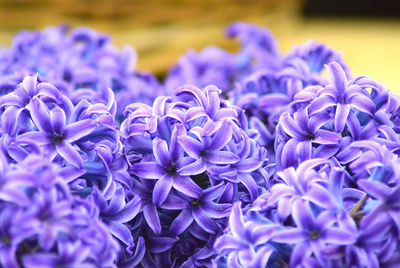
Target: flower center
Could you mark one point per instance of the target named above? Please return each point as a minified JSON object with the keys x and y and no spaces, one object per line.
{"x":172,"y":170}
{"x":57,"y":139}
{"x":195,"y":202}
{"x":311,"y":136}
{"x":314,"y":235}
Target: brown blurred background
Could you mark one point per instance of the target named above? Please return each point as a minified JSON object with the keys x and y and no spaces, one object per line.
{"x":161,"y":31}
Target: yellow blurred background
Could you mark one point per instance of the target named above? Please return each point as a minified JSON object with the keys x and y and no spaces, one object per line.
{"x":161,"y":31}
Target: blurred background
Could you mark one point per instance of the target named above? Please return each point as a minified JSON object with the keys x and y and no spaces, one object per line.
{"x":366,"y":32}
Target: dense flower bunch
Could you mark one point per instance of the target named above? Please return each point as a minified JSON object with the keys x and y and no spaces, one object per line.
{"x":251,"y":159}
{"x":81,"y":63}
{"x":190,"y":161}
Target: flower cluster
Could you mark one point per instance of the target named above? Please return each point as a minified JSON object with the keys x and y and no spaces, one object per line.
{"x":81,"y":63}
{"x":251,"y":159}
{"x":190,"y":161}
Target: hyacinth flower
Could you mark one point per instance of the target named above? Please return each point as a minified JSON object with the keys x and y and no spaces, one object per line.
{"x":169,"y":171}
{"x":172,"y":148}
{"x":304,"y":132}
{"x":307,"y":61}
{"x":208,"y":150}
{"x":52,"y":218}
{"x":202,"y":211}
{"x":246,"y":243}
{"x":116,"y":211}
{"x":211,"y":66}
{"x":301,"y":183}
{"x":54,"y":134}
{"x":82,"y":60}
{"x":311,"y":234}
{"x":343,"y":96}
{"x":259,"y":48}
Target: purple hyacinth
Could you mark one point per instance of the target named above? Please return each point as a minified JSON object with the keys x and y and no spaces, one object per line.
{"x":175,"y":150}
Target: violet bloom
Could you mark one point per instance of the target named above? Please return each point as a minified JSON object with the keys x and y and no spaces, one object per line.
{"x":386,"y":211}
{"x":343,"y":96}
{"x":202,"y":210}
{"x":54,"y":134}
{"x":170,"y":169}
{"x":116,"y":211}
{"x":207,"y":150}
{"x":246,"y":243}
{"x":301,"y":183}
{"x":305,"y":132}
{"x":312,"y":234}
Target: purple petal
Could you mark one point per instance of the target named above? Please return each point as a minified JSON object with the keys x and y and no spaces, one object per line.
{"x":317,"y":121}
{"x":217,"y":211}
{"x":285,"y":207}
{"x":40,"y":259}
{"x":213,"y":192}
{"x":151,"y":216}
{"x":376,"y":189}
{"x":250,"y":184}
{"x":225,"y":113}
{"x":273,"y":99}
{"x":341,"y":114}
{"x":9,"y":120}
{"x":227,"y":242}
{"x":248,"y":165}
{"x":236,"y":221}
{"x":186,"y":186}
{"x":130,"y":210}
{"x":363,"y":103}
{"x":321,"y":104}
{"x":300,"y":251}
{"x":174,"y":148}
{"x":290,"y":236}
{"x":304,"y":150}
{"x":319,"y":196}
{"x":160,"y":244}
{"x":14,"y":196}
{"x":213,"y":101}
{"x":57,"y":117}
{"x":338,"y":236}
{"x":262,"y":257}
{"x":181,"y":222}
{"x":69,"y":154}
{"x":174,"y":203}
{"x":191,"y":146}
{"x":337,"y":76}
{"x":203,"y":220}
{"x":221,"y":157}
{"x":326,"y":137}
{"x":40,"y":115}
{"x":160,"y":150}
{"x":289,"y":153}
{"x":222,"y":136}
{"x":147,"y":170}
{"x":121,"y":232}
{"x":302,"y":214}
{"x":194,"y":168}
{"x":162,"y":188}
{"x":279,"y":191}
{"x":79,"y":129}
{"x":35,"y":137}
{"x":290,"y":126}
{"x":194,"y":113}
